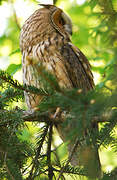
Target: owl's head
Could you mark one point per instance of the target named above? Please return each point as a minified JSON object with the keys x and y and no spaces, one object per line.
{"x":59,"y":20}
{"x":43,"y":23}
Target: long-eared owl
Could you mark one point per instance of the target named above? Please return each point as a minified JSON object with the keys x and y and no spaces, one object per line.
{"x":45,"y":38}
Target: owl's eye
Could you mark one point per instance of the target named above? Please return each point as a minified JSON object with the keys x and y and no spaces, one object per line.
{"x":61,"y":21}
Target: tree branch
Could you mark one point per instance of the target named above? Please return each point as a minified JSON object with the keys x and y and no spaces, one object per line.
{"x":11,"y":176}
{"x":54,"y":1}
{"x":38,"y":152}
{"x":16,"y":19}
{"x":7,"y":78}
{"x":7,"y":116}
{"x":69,"y":159}
{"x":50,"y":169}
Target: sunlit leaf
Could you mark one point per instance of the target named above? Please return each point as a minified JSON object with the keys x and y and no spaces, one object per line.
{"x":13,"y":68}
{"x":14,"y":52}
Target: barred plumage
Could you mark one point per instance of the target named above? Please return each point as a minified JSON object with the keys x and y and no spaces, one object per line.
{"x":45,"y":38}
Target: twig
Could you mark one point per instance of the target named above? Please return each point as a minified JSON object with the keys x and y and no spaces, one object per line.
{"x":16,"y":19}
{"x":11,"y":176}
{"x":36,"y":116}
{"x":7,"y":78}
{"x":97,"y":119}
{"x":69,"y":159}
{"x":6,"y":153}
{"x":54,"y":1}
{"x":78,"y":171}
{"x":38,"y":152}
{"x":39,"y":117}
{"x":15,"y":15}
{"x":50,"y":169}
{"x":42,"y":117}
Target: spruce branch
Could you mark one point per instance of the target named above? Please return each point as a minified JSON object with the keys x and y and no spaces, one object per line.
{"x":105,"y":133}
{"x":16,"y":18}
{"x":72,"y":170}
{"x":7,"y":169}
{"x":48,"y":78}
{"x":47,"y":118}
{"x":50,"y":170}
{"x":15,"y":15}
{"x":31,"y":176}
{"x":54,"y":1}
{"x":14,"y":83}
{"x":11,"y":94}
{"x":8,"y":116}
{"x":69,"y":159}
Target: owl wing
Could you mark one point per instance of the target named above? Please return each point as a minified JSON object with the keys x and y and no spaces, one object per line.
{"x":76,"y":68}
{"x":79,"y":75}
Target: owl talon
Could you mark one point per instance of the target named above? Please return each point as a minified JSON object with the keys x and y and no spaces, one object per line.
{"x":53,"y":116}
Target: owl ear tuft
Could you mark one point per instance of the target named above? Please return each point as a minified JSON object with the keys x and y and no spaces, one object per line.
{"x":46,"y":5}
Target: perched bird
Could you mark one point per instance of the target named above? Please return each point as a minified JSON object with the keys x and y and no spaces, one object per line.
{"x":45,"y":38}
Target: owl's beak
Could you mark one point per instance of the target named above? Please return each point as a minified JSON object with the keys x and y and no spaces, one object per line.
{"x":67,"y":28}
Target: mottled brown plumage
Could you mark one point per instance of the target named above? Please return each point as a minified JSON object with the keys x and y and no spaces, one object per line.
{"x":45,"y":38}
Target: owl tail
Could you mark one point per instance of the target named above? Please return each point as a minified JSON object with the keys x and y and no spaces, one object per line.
{"x":85,"y":154}
{"x":87,"y":157}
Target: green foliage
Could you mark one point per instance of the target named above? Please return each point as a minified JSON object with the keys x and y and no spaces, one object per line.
{"x":13,"y":68}
{"x":13,"y":152}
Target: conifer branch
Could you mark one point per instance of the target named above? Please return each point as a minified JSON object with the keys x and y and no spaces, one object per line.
{"x":54,"y":1}
{"x":41,"y":117}
{"x":6,"y":117}
{"x":11,"y":176}
{"x":31,"y":176}
{"x":47,"y":118}
{"x":11,"y":94}
{"x":7,"y":78}
{"x":50,"y":169}
{"x":69,"y":159}
{"x":72,"y":170}
{"x":16,"y":19}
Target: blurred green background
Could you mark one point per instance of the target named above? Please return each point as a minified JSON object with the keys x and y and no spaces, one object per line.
{"x":94,"y":32}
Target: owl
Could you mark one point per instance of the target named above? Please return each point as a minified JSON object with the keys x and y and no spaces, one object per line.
{"x":45,"y":39}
